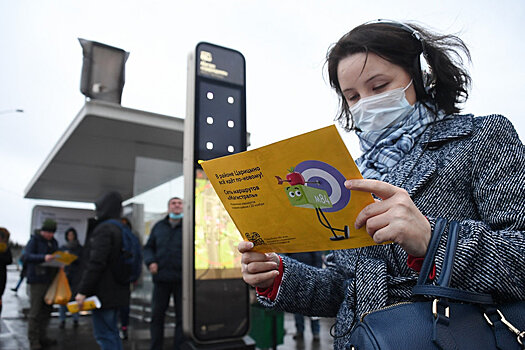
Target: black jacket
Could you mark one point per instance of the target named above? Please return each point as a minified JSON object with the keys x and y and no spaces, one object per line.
{"x":164,"y":247}
{"x":5,"y":259}
{"x":36,"y":250}
{"x":101,"y":253}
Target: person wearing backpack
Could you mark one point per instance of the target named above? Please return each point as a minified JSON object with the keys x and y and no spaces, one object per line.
{"x":135,"y":275}
{"x":163,"y":257}
{"x":102,"y":256}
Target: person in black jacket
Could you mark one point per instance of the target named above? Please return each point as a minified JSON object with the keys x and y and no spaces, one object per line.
{"x":6,"y":258}
{"x":39,"y":249}
{"x":100,"y":258}
{"x":163,"y":257}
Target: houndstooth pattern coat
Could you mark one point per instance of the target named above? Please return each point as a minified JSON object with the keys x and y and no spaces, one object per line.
{"x":473,"y":171}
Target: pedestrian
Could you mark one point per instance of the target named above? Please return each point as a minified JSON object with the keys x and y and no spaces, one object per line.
{"x":124,"y":310}
{"x":314,"y":259}
{"x":163,"y":258}
{"x":72,"y":271}
{"x":23,"y":271}
{"x":401,"y":88}
{"x":6,"y":258}
{"x":100,"y":265}
{"x":40,"y":249}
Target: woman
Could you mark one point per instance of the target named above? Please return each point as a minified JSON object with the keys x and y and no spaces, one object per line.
{"x":422,"y":161}
{"x":72,"y":246}
{"x":5,"y":259}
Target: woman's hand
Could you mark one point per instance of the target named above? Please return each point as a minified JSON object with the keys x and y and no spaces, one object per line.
{"x":395,"y":218}
{"x":258,"y":269}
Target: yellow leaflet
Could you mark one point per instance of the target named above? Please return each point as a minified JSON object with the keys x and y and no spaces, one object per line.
{"x":64,"y":257}
{"x":290,"y":196}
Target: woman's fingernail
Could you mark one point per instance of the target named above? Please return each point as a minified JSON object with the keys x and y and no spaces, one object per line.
{"x":250,"y":244}
{"x":348,"y":183}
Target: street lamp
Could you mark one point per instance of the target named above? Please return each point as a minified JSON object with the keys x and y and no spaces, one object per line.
{"x":12,"y":111}
{"x":102,"y":71}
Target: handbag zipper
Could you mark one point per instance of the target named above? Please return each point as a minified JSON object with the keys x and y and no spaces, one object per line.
{"x":384,"y":308}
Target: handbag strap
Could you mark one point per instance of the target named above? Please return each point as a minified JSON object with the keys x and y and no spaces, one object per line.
{"x":442,"y":336}
{"x":442,"y":289}
{"x":450,"y":253}
{"x":453,"y":293}
{"x":433,"y":245}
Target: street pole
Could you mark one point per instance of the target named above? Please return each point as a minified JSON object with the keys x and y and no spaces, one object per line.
{"x":7,"y":111}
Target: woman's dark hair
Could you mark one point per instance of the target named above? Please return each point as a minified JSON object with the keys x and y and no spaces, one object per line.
{"x":398,"y":46}
{"x":71,"y":229}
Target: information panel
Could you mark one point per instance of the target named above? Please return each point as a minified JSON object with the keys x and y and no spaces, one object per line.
{"x":216,"y":307}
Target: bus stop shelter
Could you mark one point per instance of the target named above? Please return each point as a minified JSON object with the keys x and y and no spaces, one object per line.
{"x":110,"y":147}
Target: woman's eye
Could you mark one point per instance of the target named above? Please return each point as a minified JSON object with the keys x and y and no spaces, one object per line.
{"x":352,"y":98}
{"x":380,"y":87}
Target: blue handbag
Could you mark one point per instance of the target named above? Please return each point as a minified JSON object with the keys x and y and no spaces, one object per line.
{"x":451,"y":319}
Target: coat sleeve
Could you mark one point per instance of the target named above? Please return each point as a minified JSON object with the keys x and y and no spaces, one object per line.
{"x":31,"y":254}
{"x":308,"y":290}
{"x":97,"y":259}
{"x":491,"y":252}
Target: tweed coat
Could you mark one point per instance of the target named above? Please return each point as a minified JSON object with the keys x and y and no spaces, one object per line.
{"x":465,"y":168}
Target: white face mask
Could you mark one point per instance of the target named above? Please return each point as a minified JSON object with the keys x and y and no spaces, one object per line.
{"x":379,"y":111}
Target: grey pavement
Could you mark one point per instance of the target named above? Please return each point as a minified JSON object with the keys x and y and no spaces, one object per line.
{"x":13,"y":327}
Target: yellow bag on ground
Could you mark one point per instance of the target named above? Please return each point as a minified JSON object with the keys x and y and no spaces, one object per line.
{"x":63,"y":292}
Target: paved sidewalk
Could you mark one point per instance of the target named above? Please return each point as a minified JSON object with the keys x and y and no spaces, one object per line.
{"x":13,"y":328}
{"x":13,"y":325}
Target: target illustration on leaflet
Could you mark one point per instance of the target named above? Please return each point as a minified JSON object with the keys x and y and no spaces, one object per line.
{"x":318,"y":185}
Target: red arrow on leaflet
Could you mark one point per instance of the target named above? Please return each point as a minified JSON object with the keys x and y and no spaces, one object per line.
{"x":293,"y":177}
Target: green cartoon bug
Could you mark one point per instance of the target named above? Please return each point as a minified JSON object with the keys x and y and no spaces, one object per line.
{"x":300,"y":195}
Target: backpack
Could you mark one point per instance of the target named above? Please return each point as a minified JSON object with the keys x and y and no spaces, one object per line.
{"x":129,"y":265}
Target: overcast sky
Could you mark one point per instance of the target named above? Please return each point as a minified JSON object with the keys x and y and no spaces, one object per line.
{"x":284,"y":43}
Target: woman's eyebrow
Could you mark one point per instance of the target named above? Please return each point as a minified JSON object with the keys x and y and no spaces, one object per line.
{"x":379,"y":75}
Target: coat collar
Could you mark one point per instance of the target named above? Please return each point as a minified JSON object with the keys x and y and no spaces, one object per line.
{"x":453,"y":127}
{"x":418,"y":166}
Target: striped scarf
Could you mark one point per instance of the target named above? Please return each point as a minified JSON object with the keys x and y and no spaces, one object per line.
{"x":385,"y":148}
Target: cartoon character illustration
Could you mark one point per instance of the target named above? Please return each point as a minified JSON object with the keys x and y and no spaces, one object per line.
{"x":301,"y":195}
